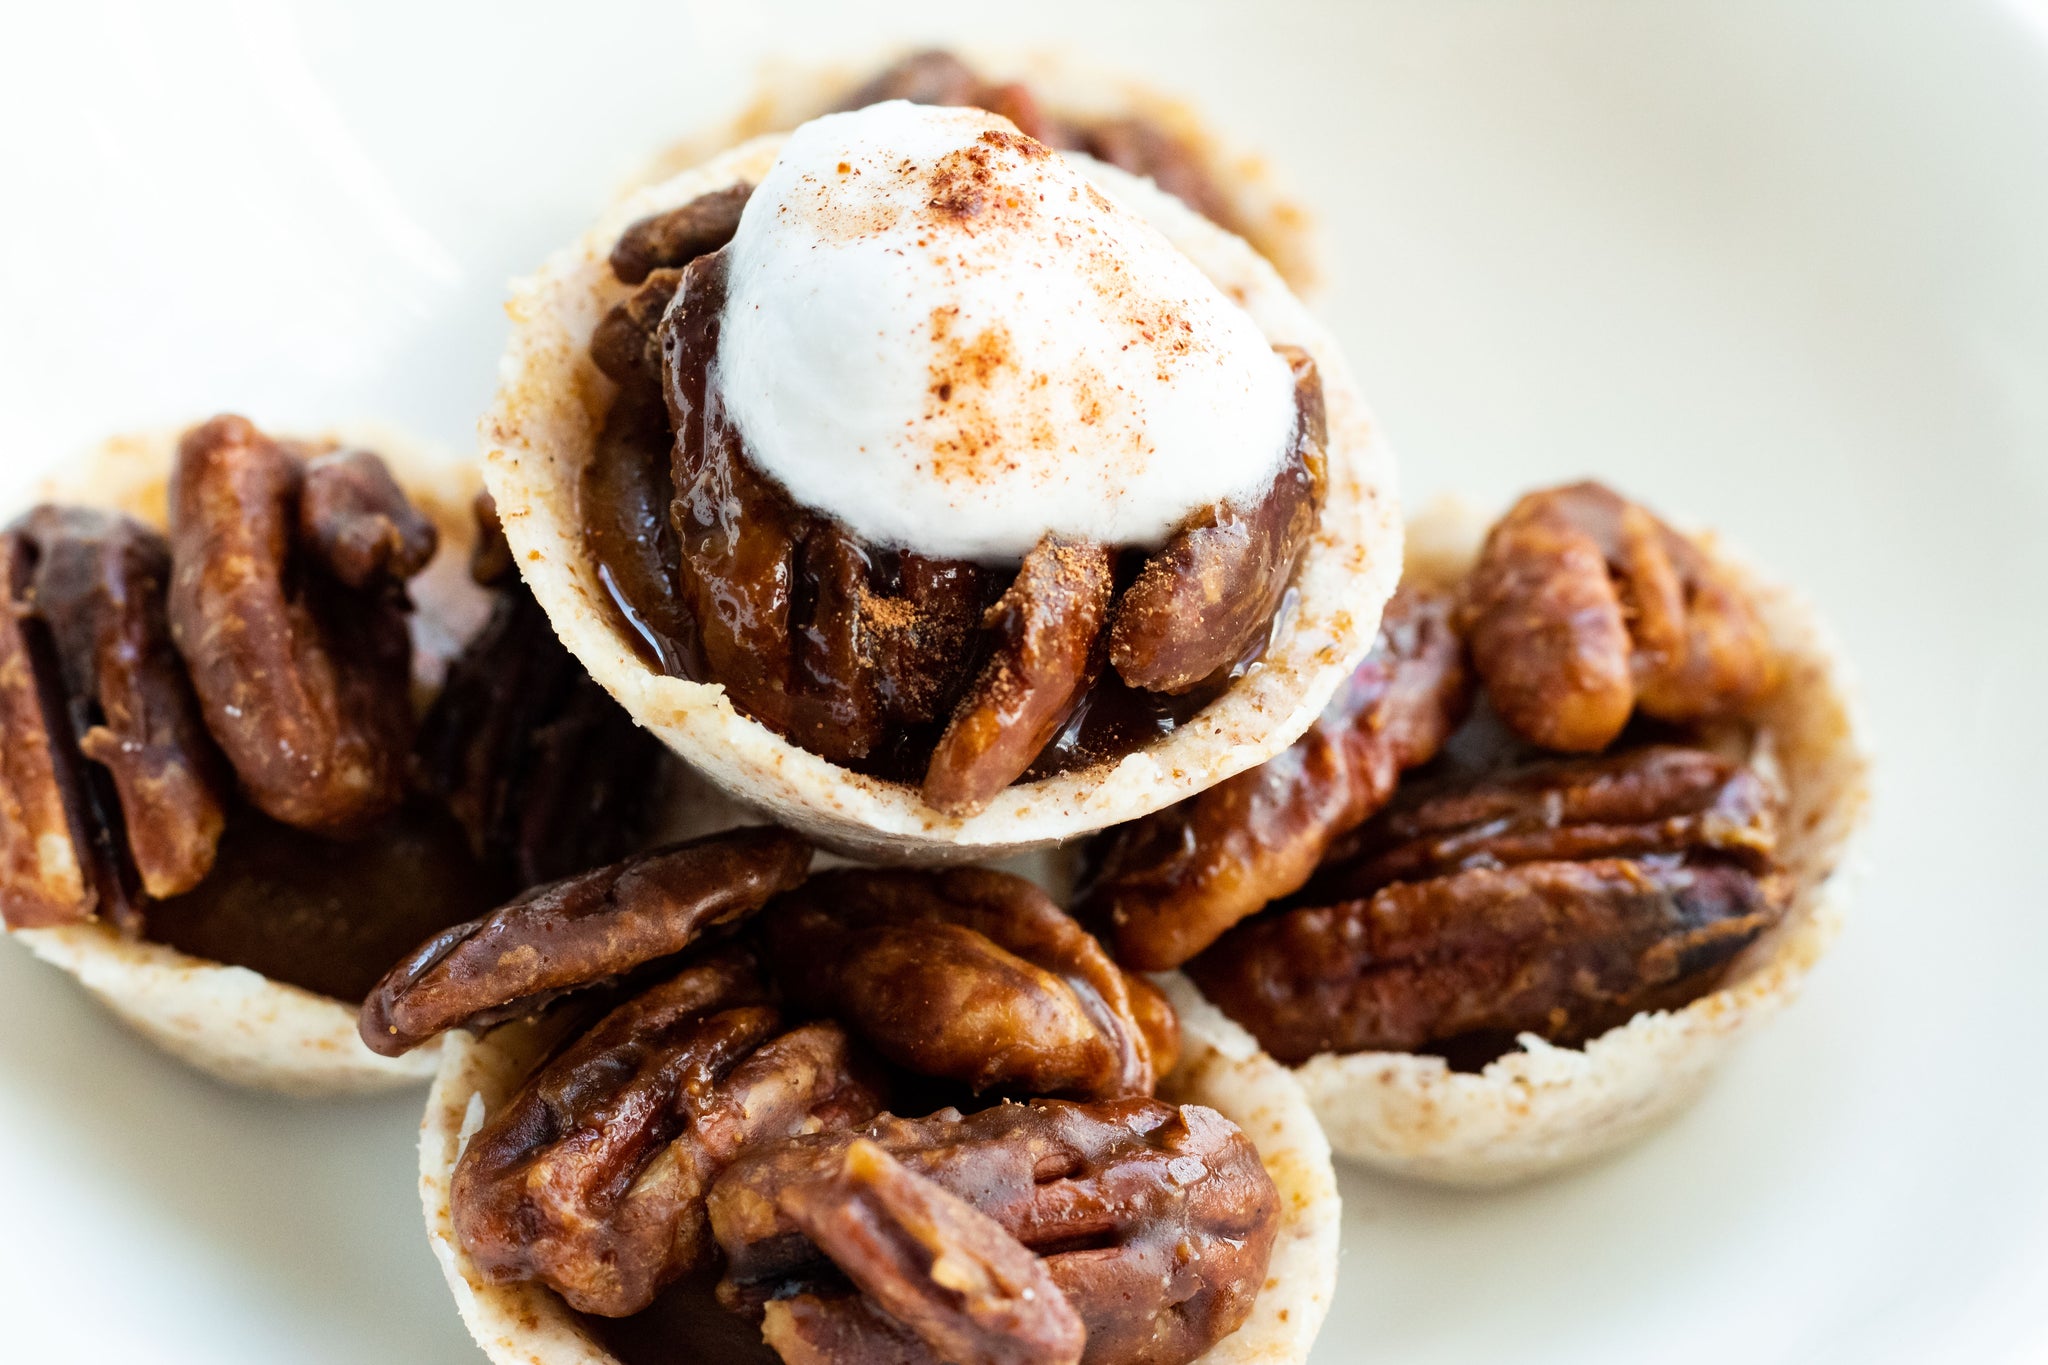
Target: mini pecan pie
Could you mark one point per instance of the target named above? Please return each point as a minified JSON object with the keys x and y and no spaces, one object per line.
{"x":213,"y":668}
{"x":1067,"y":105}
{"x":1573,"y":824}
{"x":939,"y":495}
{"x":679,"y":1113}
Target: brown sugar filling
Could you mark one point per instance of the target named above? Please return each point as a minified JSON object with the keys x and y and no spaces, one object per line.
{"x":961,"y":676}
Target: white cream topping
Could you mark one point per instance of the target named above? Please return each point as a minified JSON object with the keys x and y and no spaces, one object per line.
{"x":947,"y":337}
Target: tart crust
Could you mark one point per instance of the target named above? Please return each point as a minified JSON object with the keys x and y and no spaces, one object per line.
{"x":1547,"y":1107}
{"x":231,"y":1022}
{"x":1220,"y":1066}
{"x":1272,"y":218}
{"x":542,"y":427}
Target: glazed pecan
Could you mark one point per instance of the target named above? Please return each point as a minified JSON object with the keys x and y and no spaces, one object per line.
{"x":547,"y":774}
{"x":490,"y":560}
{"x":673,"y":239}
{"x":1207,"y":599}
{"x":624,"y":344}
{"x":577,"y":933}
{"x":1564,"y":950}
{"x":1046,"y":631}
{"x":972,"y":975}
{"x":592,"y":1178}
{"x":751,"y":584}
{"x":354,"y":518}
{"x":1166,"y":885}
{"x":936,"y":1279}
{"x":1156,"y":1221}
{"x":88,"y":671}
{"x":1660,"y":798}
{"x":304,"y":681}
{"x":1584,"y":606}
{"x":625,"y":496}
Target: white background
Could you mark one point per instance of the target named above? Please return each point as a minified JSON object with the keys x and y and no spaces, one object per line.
{"x":1777,"y":267}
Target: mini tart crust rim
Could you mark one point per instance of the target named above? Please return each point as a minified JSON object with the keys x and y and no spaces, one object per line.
{"x":1547,"y":1107}
{"x":1274,"y":219}
{"x":544,"y":422}
{"x":231,"y":1022}
{"x":1220,"y":1066}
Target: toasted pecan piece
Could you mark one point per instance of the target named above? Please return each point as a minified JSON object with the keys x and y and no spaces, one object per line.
{"x":114,"y":790}
{"x":1565,"y":950}
{"x":578,"y":932}
{"x":1584,"y":606}
{"x":972,"y":975}
{"x":592,"y":1178}
{"x":927,"y":1266}
{"x":1206,"y":601}
{"x":1046,"y":629}
{"x":304,"y":681}
{"x":1654,"y":799}
{"x":679,"y":236}
{"x":1166,"y":885}
{"x":1156,"y":1220}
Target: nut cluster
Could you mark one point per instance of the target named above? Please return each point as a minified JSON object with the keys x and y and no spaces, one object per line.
{"x":211,"y":735}
{"x":735,"y":1114}
{"x":1329,"y":904}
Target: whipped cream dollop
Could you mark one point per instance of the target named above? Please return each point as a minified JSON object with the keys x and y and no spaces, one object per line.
{"x":946,"y":336}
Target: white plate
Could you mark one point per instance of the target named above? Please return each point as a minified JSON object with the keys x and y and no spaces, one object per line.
{"x":1779,"y":267}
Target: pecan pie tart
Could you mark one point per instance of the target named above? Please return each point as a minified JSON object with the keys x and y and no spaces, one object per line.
{"x":1573,"y":827}
{"x":936,"y":493}
{"x":706,"y":1104}
{"x":273,"y":709}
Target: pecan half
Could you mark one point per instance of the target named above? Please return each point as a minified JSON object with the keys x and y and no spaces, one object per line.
{"x":1207,"y":599}
{"x":972,"y":975}
{"x":834,"y":703}
{"x":87,"y":670}
{"x":928,"y":1266}
{"x":354,"y":518}
{"x":625,"y":496}
{"x":1046,"y":631}
{"x":304,"y":682}
{"x":592,"y":1178}
{"x":679,"y":236}
{"x":1565,"y":950}
{"x":1584,"y":606}
{"x":547,"y":774}
{"x":624,"y":343}
{"x":490,"y":560}
{"x":1660,"y":798}
{"x":577,"y":933}
{"x":1166,"y":885}
{"x":919,"y":634}
{"x":1156,"y":1221}
{"x":737,"y":532}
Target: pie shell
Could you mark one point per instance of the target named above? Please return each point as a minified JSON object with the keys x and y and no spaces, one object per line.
{"x":544,"y":422}
{"x":1546,"y":1107}
{"x":231,"y":1022}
